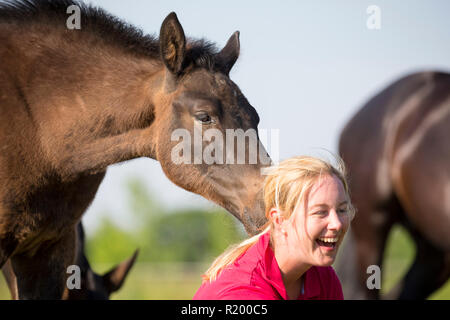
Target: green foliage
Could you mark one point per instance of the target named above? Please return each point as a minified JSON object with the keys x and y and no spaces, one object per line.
{"x":110,"y":243}
{"x":189,"y":236}
{"x":164,"y":236}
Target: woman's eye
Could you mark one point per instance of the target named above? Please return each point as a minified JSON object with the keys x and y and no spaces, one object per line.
{"x":204,"y":118}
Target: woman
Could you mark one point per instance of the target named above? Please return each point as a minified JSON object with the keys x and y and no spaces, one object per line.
{"x":309,"y":211}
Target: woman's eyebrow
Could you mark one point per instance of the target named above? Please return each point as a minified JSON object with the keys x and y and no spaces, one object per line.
{"x":323,"y":205}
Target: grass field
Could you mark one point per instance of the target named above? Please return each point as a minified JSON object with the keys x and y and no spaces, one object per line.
{"x":181,"y":281}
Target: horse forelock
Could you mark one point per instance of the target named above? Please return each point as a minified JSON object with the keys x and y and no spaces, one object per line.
{"x":203,"y":54}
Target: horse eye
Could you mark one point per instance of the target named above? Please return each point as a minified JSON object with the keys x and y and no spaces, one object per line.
{"x":204,"y":118}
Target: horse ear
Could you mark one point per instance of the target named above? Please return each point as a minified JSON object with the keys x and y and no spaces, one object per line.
{"x":229,"y":54}
{"x":172,"y":43}
{"x":114,"y":279}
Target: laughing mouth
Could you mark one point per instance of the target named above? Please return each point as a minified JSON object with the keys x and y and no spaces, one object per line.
{"x":328,"y":242}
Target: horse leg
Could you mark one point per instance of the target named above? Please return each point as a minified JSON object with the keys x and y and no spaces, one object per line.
{"x":43,"y":274}
{"x":366,"y":245}
{"x":8,"y":244}
{"x":420,"y":181}
{"x":11,"y":279}
{"x":370,"y":249}
{"x":367,"y":237}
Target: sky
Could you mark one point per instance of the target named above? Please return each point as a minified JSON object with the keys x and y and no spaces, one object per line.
{"x":306,"y":67}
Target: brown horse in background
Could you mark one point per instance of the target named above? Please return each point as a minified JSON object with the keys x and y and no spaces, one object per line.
{"x":73,"y":102}
{"x":92,"y":285}
{"x":397,"y":150}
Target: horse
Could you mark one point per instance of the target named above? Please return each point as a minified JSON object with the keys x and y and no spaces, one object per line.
{"x":397,"y":153}
{"x":75,"y":100}
{"x":93,"y":286}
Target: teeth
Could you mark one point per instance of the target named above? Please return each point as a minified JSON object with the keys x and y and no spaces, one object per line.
{"x":329,"y":240}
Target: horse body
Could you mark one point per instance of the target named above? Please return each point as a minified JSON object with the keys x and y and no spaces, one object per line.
{"x":52,"y":138}
{"x":73,"y":102}
{"x":398,"y":157}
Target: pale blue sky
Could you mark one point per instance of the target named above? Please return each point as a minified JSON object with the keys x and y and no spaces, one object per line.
{"x":306,"y":66}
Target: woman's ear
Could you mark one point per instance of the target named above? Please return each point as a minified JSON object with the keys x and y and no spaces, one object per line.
{"x":277,"y":219}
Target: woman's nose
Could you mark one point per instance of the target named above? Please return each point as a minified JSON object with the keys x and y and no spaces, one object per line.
{"x":335,"y":222}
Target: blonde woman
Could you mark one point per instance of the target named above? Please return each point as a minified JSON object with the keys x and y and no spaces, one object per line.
{"x":309,"y":211}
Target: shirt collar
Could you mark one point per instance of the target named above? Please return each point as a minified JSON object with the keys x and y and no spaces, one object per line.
{"x":272,"y":274}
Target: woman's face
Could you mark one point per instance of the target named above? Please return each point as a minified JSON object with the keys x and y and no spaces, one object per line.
{"x":326,"y":220}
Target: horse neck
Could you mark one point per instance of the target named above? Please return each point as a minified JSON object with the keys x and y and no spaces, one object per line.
{"x":80,"y":91}
{"x":89,"y":76}
{"x":117,"y":89}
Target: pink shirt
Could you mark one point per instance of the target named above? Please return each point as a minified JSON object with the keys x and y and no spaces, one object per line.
{"x":256,"y":276}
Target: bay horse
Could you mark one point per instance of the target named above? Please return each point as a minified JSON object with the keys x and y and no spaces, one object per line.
{"x":397,"y":152}
{"x":74,"y":101}
{"x":93,"y":286}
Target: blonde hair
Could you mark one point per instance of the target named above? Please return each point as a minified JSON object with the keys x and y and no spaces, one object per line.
{"x":285,"y":187}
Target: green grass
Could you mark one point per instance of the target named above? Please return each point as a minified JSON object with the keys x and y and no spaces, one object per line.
{"x":399,"y":255}
{"x":181,"y":281}
{"x":148,"y":281}
{"x":162,"y":282}
{"x":4,"y":293}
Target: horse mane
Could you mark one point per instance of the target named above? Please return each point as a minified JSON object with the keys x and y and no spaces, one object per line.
{"x":106,"y":26}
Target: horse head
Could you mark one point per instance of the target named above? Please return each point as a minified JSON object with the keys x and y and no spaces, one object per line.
{"x":200,"y":114}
